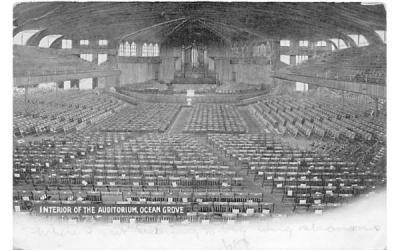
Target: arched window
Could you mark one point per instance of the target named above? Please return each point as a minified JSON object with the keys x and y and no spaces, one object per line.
{"x":255,"y":50}
{"x":362,"y":41}
{"x":156,"y":50}
{"x":47,"y":41}
{"x":121,"y":49}
{"x":144,"y":49}
{"x":263,"y":50}
{"x":268,"y":48}
{"x":127,"y":49}
{"x":236,"y":50}
{"x":246,"y":51}
{"x":150,"y":50}
{"x":340,"y":44}
{"x":133,"y":49}
{"x":359,"y":39}
{"x":23,"y":36}
{"x":381,"y":34}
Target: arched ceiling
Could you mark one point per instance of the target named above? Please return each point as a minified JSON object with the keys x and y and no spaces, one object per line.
{"x":228,"y":21}
{"x":187,"y":30}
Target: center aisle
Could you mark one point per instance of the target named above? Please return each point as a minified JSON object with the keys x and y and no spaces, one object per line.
{"x":180,"y":121}
{"x":252,"y":124}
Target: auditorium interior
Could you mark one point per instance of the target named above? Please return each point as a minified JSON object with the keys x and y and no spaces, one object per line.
{"x":234,"y":110}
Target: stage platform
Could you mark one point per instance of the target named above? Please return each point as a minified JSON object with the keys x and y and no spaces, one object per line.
{"x":195,"y":77}
{"x":190,"y":80}
{"x":181,"y":97}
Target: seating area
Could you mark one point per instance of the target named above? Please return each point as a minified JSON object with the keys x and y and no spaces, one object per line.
{"x":144,"y":117}
{"x":116,"y":148}
{"x":215,"y":118}
{"x":61,"y":111}
{"x":115,"y":168}
{"x":316,"y":117}
{"x":361,"y":64}
{"x":361,"y":152}
{"x":121,"y":152}
{"x":304,"y":179}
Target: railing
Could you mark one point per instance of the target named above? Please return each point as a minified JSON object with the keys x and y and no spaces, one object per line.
{"x":367,"y":79}
{"x":59,"y":72}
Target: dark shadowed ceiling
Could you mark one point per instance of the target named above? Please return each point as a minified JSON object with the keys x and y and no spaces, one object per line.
{"x":226,"y":21}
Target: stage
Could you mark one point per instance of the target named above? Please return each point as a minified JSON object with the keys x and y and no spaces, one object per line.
{"x":193,"y":77}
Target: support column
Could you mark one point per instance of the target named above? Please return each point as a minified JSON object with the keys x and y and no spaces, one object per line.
{"x":183,"y":60}
{"x":95,"y":57}
{"x":376,"y":107}
{"x":139,"y":48}
{"x":75,"y":43}
{"x":205,"y":59}
{"x":95,"y":83}
{"x":275,"y":57}
{"x":26,"y":99}
{"x":292,"y":59}
{"x":342,"y":100}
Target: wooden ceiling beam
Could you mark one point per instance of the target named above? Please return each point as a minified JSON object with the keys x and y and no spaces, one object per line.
{"x":263,"y":20}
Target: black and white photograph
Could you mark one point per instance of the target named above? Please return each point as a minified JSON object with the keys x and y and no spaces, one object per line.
{"x":198,"y":125}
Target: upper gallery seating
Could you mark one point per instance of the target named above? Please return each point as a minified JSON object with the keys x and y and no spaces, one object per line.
{"x":142,"y":117}
{"x":60,"y":111}
{"x":362,"y":64}
{"x":30,"y":60}
{"x":311,"y":116}
{"x":215,"y":118}
{"x":305,"y":179}
{"x":113,"y":168}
